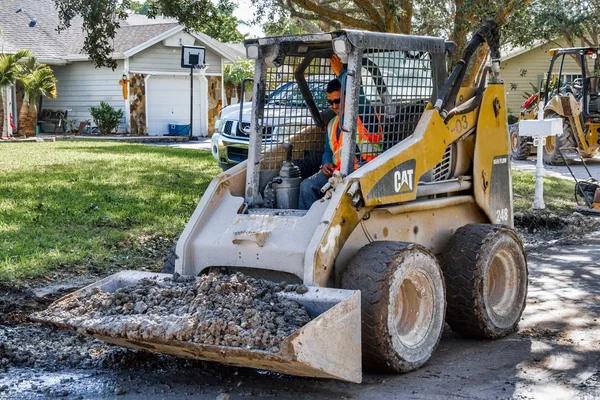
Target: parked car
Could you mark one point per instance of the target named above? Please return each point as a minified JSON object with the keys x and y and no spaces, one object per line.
{"x":230,"y":139}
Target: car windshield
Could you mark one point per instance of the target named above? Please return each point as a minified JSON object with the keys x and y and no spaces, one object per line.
{"x":289,"y":94}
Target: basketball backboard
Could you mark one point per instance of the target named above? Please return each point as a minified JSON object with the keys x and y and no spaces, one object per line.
{"x":192,"y":56}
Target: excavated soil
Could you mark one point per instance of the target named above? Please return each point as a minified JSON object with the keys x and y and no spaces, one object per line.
{"x":214,"y":309}
{"x":544,"y":228}
{"x":546,"y":356}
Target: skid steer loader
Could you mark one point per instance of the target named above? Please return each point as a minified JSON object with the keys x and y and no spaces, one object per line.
{"x":419,"y":235}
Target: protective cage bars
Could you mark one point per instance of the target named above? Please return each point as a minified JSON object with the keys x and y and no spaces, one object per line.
{"x":398,"y":75}
{"x":395,"y":88}
{"x":286,"y":117}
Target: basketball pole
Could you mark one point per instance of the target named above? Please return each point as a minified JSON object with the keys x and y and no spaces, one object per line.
{"x":191,"y":101}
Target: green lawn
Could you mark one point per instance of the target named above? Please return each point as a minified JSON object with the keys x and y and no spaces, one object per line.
{"x":558,"y":193}
{"x":72,"y":208}
{"x":82,"y":206}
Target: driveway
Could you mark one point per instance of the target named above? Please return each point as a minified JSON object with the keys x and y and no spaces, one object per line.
{"x":561,"y":171}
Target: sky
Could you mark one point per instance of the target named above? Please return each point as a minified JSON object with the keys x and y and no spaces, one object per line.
{"x":245,"y":11}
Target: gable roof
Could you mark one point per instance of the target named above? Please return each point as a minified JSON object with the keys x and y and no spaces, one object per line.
{"x":136,"y":33}
{"x":42,"y":39}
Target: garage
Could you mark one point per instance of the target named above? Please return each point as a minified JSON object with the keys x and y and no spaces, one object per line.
{"x":168,"y":98}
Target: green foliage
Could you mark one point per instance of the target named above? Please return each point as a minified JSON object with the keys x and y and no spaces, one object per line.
{"x":38,"y":80}
{"x":547,"y":20}
{"x":102,"y":18}
{"x":106,"y":118}
{"x":284,"y":25}
{"x":234,"y":74}
{"x":223,"y":27}
{"x":10,"y":67}
{"x":79,"y":207}
{"x":512,"y":119}
{"x":140,"y":7}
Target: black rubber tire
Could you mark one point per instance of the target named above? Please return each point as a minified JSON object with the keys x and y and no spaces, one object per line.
{"x":551,"y":154}
{"x":520,"y":146}
{"x":485,"y":268}
{"x":389,"y":276}
{"x":169,"y":261}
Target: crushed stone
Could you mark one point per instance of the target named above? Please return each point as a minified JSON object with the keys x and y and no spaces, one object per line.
{"x":214,"y":309}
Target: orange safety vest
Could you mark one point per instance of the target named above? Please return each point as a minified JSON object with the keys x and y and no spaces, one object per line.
{"x":368,"y":142}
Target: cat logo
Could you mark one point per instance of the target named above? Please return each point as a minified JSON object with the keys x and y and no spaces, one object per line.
{"x":402,"y":178}
{"x":398,"y":180}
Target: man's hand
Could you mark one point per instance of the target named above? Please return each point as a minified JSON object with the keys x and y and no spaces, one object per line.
{"x":336,"y":65}
{"x":328,"y":169}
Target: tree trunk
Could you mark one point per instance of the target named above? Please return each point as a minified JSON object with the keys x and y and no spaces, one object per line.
{"x":24,"y":118}
{"x":3,"y":112}
{"x":31,"y":121}
{"x":228,"y":93}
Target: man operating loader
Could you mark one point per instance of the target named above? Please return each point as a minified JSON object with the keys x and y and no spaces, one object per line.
{"x":368,"y":138}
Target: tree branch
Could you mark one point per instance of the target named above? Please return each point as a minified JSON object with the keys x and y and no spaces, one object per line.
{"x":329,"y":14}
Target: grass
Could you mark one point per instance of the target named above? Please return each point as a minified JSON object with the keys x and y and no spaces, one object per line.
{"x":73,"y":208}
{"x":94,"y":207}
{"x":558,"y":193}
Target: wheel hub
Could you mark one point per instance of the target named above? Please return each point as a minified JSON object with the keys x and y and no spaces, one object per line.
{"x":414,"y":308}
{"x":502,"y":283}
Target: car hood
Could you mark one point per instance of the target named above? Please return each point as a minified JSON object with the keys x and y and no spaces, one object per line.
{"x":274,"y":114}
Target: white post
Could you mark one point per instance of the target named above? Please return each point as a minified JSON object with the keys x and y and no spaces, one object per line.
{"x":539,"y":129}
{"x":538,"y":199}
{"x":203,"y":103}
{"x":8,"y":109}
{"x":127,"y":103}
{"x":146,"y":78}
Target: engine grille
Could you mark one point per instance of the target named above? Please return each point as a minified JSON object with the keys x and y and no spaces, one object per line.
{"x":232,"y":128}
{"x":442,"y":171}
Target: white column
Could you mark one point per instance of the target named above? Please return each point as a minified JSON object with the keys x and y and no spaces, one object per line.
{"x":8,"y":109}
{"x":538,"y":199}
{"x":202,"y":130}
{"x":146,"y":79}
{"x":127,"y":102}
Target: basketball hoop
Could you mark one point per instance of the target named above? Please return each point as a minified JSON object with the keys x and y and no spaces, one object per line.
{"x":192,"y":57}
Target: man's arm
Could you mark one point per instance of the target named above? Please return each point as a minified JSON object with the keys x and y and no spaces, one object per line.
{"x":366,"y":112}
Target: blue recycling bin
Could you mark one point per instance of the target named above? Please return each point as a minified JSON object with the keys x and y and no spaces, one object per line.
{"x":179,"y":130}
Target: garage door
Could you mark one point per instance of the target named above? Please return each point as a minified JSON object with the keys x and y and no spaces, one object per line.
{"x":169,"y":103}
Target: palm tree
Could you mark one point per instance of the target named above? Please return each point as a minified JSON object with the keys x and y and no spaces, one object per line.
{"x":38,"y":80}
{"x":9,"y":70}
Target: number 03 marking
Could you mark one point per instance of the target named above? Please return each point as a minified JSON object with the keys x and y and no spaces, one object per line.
{"x":502,"y":215}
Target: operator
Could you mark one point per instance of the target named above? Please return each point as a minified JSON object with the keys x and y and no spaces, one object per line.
{"x":367,"y":141}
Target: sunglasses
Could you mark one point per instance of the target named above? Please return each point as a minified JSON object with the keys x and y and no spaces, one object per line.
{"x":336,"y":101}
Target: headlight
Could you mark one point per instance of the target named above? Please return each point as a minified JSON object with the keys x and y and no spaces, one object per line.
{"x":219,"y":125}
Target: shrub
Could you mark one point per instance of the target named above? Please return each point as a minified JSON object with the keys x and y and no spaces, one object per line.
{"x":512,"y":119}
{"x":106,"y":118}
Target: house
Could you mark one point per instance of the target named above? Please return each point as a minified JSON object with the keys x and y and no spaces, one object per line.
{"x":523,"y":67}
{"x":148,"y":53}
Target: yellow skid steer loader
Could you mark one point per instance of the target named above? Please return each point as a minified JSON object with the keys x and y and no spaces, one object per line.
{"x":419,"y":235}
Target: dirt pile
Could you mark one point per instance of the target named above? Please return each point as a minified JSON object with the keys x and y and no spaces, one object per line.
{"x":216,"y":309}
{"x":545,"y":228}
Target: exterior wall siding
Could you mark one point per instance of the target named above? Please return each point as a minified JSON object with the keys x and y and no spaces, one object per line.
{"x":160,"y":58}
{"x":81,"y":86}
{"x":521,"y":71}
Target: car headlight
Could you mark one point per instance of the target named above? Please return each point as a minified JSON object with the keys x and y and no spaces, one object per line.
{"x":219,"y":125}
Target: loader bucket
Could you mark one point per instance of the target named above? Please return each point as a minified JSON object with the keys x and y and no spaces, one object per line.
{"x":329,"y":346}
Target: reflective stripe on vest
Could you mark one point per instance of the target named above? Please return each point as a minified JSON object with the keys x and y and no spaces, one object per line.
{"x":368,"y":143}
